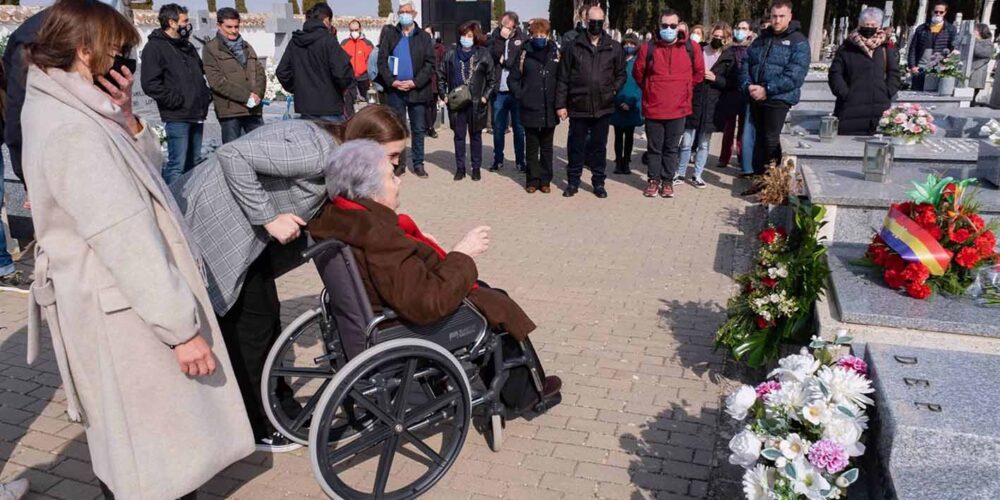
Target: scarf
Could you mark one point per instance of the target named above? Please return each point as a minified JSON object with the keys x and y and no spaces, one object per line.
{"x":236,"y":47}
{"x":462,"y":69}
{"x":405,"y":222}
{"x":868,"y":45}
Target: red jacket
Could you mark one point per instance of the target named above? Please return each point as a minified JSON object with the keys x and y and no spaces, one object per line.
{"x":667,"y":90}
{"x":358,"y":50}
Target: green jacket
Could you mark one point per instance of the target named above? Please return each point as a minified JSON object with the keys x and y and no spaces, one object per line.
{"x":232,"y":82}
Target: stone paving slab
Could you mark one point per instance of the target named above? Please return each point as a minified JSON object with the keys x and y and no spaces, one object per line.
{"x":627,"y":293}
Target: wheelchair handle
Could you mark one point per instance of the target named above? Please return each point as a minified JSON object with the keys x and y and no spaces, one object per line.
{"x":321,"y":248}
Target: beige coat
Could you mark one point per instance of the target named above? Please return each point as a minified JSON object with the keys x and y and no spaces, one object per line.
{"x":119,"y":286}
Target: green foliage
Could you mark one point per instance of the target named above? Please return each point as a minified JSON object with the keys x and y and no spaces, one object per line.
{"x":212,"y":7}
{"x":241,"y":6}
{"x":308,"y":4}
{"x":384,"y":8}
{"x":499,"y":7}
{"x":758,"y":340}
{"x":561,"y":15}
{"x":295,"y":7}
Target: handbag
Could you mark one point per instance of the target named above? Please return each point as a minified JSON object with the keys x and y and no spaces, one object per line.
{"x":460,"y":97}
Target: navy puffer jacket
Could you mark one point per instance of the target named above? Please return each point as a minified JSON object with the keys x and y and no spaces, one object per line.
{"x":778,"y":62}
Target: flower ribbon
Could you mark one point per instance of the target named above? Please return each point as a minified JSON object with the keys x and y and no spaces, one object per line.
{"x":913,"y":243}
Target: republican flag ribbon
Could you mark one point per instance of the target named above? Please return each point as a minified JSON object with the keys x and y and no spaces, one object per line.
{"x":913,"y":243}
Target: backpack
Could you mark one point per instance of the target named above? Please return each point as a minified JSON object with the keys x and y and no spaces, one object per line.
{"x":651,"y":45}
{"x":524,"y":53}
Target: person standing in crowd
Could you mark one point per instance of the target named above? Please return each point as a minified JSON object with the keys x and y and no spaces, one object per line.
{"x":701,"y":123}
{"x":667,"y":71}
{"x":246,"y":209}
{"x":982,"y":54}
{"x":731,"y":109}
{"x":864,"y":76}
{"x":698,"y":34}
{"x":579,"y":29}
{"x":775,"y":69}
{"x":506,"y":44}
{"x":533,"y":82}
{"x":358,"y":50}
{"x":235,"y":76}
{"x":591,"y":72}
{"x":468,"y":64}
{"x":628,"y":109}
{"x":137,"y":347}
{"x":16,"y":72}
{"x":432,"y":108}
{"x":316,"y":69}
{"x":405,"y":65}
{"x":172,"y":75}
{"x":934,"y":37}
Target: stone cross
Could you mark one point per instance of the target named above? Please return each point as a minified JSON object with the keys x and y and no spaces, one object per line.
{"x":203,"y":28}
{"x":281,"y":23}
{"x":966,"y":44}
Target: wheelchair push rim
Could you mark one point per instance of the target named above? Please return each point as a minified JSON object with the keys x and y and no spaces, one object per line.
{"x":421,"y":399}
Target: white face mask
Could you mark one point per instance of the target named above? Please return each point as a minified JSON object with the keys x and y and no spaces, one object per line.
{"x":696,"y":38}
{"x":937,"y":20}
{"x":355,"y":34}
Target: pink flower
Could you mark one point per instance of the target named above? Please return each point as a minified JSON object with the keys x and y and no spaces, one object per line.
{"x":917,"y":129}
{"x":899,"y":119}
{"x":767,"y":387}
{"x":826,"y":454}
{"x":854,"y":364}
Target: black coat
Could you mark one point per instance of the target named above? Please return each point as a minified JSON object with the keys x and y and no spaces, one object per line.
{"x":706,"y":96}
{"x":316,"y":70}
{"x":518,"y":42}
{"x":864,"y":86}
{"x":535,"y":86}
{"x":422,"y":54}
{"x":590,"y":76}
{"x":733,"y":101}
{"x":481,"y":84}
{"x":172,"y":75}
{"x":17,"y":75}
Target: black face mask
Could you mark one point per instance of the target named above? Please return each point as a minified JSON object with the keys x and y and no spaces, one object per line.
{"x":716,"y":43}
{"x":116,"y":65}
{"x":867,"y":32}
{"x":184,"y":31}
{"x":595,"y":27}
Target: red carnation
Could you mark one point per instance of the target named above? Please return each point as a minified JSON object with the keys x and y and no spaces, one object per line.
{"x":934,"y":231}
{"x":985,"y":243}
{"x":768,"y":236}
{"x":918,"y":291}
{"x":949,"y":190}
{"x":977,"y":221}
{"x":960,"y":235}
{"x":894,"y":262}
{"x":894,"y":279}
{"x":906,"y":208}
{"x":926,"y":217}
{"x":916,"y":272}
{"x":761,"y":322}
{"x":768,"y":282}
{"x":877,"y":253}
{"x":968,"y":257}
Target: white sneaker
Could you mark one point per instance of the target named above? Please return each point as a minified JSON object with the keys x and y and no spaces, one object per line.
{"x":275,"y":443}
{"x":14,"y":490}
{"x":678,"y":180}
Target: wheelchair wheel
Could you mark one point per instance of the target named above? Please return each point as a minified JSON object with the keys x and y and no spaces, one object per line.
{"x":298,"y":369}
{"x":495,"y":435}
{"x":420,"y":398}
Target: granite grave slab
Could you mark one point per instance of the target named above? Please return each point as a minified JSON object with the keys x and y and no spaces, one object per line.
{"x":823,"y":99}
{"x":951,"y":122}
{"x":935,"y":425}
{"x":936,"y":149}
{"x":988,"y":165}
{"x":863,"y":298}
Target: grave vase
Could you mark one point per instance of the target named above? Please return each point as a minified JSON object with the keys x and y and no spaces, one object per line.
{"x":908,"y":140}
{"x":930,"y":82}
{"x":946,"y":86}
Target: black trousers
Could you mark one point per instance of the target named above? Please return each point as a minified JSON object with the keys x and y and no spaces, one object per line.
{"x":623,"y":144}
{"x":432,"y":113}
{"x":250,"y":329}
{"x":465,"y":125}
{"x":594,"y":151}
{"x":663,"y":147}
{"x":768,"y":119}
{"x":538,"y":146}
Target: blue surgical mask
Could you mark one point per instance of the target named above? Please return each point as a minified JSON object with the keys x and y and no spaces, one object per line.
{"x":668,"y":34}
{"x":539,"y":43}
{"x":739,"y":35}
{"x":466,"y":42}
{"x":406,"y":19}
{"x":631,"y":50}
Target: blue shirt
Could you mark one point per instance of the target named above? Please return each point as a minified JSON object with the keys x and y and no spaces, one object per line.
{"x":402,"y":52}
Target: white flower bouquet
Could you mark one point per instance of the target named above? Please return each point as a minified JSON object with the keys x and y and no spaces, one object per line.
{"x":274,"y":90}
{"x":161,"y":133}
{"x":992,"y":131}
{"x":803,"y":426}
{"x":907,"y":121}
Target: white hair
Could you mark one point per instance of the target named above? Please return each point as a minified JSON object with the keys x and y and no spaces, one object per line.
{"x":354,"y":170}
{"x":871,"y":14}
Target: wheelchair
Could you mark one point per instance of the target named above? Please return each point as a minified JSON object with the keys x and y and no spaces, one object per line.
{"x":356,"y":387}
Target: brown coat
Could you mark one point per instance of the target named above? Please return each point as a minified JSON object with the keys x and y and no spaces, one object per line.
{"x":408,"y":277}
{"x":232,"y":82}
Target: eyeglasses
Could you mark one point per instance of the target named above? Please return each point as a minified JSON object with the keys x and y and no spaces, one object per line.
{"x":939,"y":12}
{"x":671,"y":26}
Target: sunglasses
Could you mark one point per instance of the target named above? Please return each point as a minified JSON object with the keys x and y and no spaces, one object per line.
{"x":671,"y":26}
{"x":939,"y":12}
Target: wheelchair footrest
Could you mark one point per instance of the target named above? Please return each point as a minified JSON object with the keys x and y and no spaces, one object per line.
{"x":546,"y":404}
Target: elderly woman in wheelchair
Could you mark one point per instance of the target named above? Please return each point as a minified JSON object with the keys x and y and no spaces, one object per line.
{"x":406,"y":348}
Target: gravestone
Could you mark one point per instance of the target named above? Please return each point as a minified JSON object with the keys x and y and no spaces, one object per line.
{"x":819,"y":99}
{"x":935,"y":425}
{"x":988,"y":167}
{"x":932,"y":149}
{"x":281,"y":23}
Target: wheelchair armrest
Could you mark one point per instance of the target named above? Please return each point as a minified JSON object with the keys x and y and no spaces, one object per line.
{"x":389,"y":314}
{"x":321,"y":248}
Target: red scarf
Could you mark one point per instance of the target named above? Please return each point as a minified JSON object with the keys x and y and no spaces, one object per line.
{"x":405,"y":222}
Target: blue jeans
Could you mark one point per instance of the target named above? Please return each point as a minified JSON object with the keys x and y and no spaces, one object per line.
{"x":690,"y":138}
{"x":749,"y":138}
{"x":234,"y":128}
{"x":416,"y":112}
{"x":6,"y":261}
{"x":337,"y":119}
{"x":505,"y":104}
{"x":183,"y":148}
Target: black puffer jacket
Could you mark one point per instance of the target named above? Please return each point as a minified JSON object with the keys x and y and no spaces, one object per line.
{"x":590,"y":77}
{"x":316,"y":70}
{"x":535,"y":86}
{"x":518,"y":42}
{"x":481,"y":84}
{"x":422,"y":54}
{"x":864,"y":86}
{"x":172,"y":75}
{"x":706,"y":96}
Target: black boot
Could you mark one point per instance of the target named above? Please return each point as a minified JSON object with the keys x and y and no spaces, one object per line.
{"x":459,"y":174}
{"x":476,"y":175}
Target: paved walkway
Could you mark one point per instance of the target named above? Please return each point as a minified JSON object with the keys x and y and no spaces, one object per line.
{"x":627,"y":293}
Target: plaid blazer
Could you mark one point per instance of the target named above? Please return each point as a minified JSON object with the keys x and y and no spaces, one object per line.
{"x":276,"y":169}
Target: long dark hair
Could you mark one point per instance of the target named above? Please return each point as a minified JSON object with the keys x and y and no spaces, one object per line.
{"x":376,"y":122}
{"x":74,"y":24}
